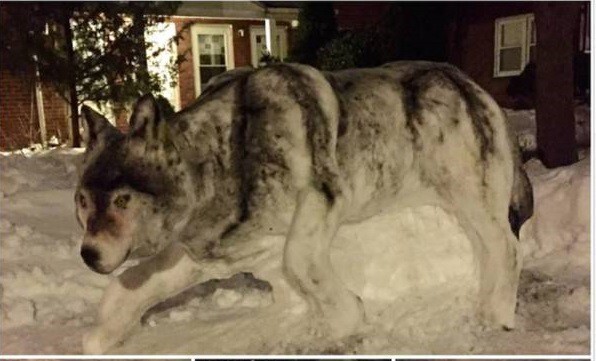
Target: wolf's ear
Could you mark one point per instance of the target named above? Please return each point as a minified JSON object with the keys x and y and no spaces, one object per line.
{"x":95,"y":126}
{"x":146,"y":120}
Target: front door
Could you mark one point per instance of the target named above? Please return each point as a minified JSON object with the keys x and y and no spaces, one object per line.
{"x":212,"y":50}
{"x":258,"y":45}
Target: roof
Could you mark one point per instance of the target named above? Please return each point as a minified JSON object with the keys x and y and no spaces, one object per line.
{"x":280,"y":10}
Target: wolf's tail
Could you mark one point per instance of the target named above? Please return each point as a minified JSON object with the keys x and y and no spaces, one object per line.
{"x":521,"y":206}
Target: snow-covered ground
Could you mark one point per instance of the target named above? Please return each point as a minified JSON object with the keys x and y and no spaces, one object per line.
{"x":523,"y":123}
{"x":412,"y":268}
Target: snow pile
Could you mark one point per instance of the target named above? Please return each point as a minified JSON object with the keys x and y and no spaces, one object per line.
{"x":395,"y":255}
{"x":553,"y":313}
{"x":34,"y":284}
{"x":412,"y":268}
{"x":562,"y":208}
{"x":523,"y":123}
{"x":37,"y":170}
{"x":556,"y":290}
{"x":40,"y":242}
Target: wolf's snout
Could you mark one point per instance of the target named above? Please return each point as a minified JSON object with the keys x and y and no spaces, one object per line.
{"x":90,"y":256}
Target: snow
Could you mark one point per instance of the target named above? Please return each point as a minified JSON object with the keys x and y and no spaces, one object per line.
{"x":412,"y":268}
{"x":523,"y":123}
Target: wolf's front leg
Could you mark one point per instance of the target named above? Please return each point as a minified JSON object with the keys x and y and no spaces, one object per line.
{"x":307,"y":263}
{"x":139,"y":288}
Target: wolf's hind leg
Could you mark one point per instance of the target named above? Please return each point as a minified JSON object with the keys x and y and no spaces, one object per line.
{"x":307,"y":263}
{"x":499,"y":259}
{"x":138,"y":288}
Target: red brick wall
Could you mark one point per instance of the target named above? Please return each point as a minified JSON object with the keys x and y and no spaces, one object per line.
{"x":19,"y":124}
{"x":473,"y":50}
{"x":472,"y":42}
{"x":242,"y":51}
{"x":16,"y":112}
{"x":56,"y":113}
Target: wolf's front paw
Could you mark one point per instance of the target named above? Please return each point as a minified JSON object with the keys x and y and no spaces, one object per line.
{"x":491,"y":320}
{"x":498,"y":315}
{"x":94,"y":343}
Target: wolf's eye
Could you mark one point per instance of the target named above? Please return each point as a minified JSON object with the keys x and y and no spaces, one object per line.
{"x":82,"y":200}
{"x":122,"y":200}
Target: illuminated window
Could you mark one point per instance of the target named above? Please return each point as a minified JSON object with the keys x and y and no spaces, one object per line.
{"x":515,"y":44}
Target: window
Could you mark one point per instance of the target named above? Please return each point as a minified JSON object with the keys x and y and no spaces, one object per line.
{"x":515,"y":44}
{"x":259,"y":48}
{"x":212,"y":52}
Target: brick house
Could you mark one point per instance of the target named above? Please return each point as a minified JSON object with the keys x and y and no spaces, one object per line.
{"x":490,"y":41}
{"x":216,"y":36}
{"x":494,"y":41}
{"x":20,"y":101}
{"x":220,"y":36}
{"x":19,"y":122}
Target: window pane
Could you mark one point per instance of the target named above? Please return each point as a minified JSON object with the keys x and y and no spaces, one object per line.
{"x":510,"y":59}
{"x":217,"y":43}
{"x":205,"y":59}
{"x":512,"y":34}
{"x":212,"y":50}
{"x":219,"y":59}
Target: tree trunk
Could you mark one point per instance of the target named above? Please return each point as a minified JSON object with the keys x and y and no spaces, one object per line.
{"x":72,"y":83}
{"x":555,"y":121}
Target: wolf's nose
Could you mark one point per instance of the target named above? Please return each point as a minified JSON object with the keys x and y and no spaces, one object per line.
{"x":90,"y":256}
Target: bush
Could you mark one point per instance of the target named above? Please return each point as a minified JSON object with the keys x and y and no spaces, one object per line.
{"x":267,"y":59}
{"x":350,"y":50}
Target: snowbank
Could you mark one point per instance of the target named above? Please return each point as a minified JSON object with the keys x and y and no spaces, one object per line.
{"x":38,"y":170}
{"x":523,"y":123}
{"x":562,"y":208}
{"x":413,"y":270}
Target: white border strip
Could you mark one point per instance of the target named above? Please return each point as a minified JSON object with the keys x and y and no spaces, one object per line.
{"x":298,"y":357}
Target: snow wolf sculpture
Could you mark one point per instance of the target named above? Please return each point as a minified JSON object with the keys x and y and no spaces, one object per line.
{"x":292,"y":151}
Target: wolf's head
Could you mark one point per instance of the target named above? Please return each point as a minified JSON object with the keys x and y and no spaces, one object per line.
{"x":131,"y":192}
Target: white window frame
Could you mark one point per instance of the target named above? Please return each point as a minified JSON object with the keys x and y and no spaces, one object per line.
{"x":584,"y":29}
{"x":255,"y":30}
{"x":210,"y":29}
{"x":525,"y":20}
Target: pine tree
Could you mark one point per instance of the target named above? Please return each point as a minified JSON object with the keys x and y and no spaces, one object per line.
{"x":88,"y":51}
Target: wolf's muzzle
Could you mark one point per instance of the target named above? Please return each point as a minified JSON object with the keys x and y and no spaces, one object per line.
{"x":90,"y":256}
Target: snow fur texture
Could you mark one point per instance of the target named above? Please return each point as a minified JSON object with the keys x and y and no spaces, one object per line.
{"x":288,"y":150}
